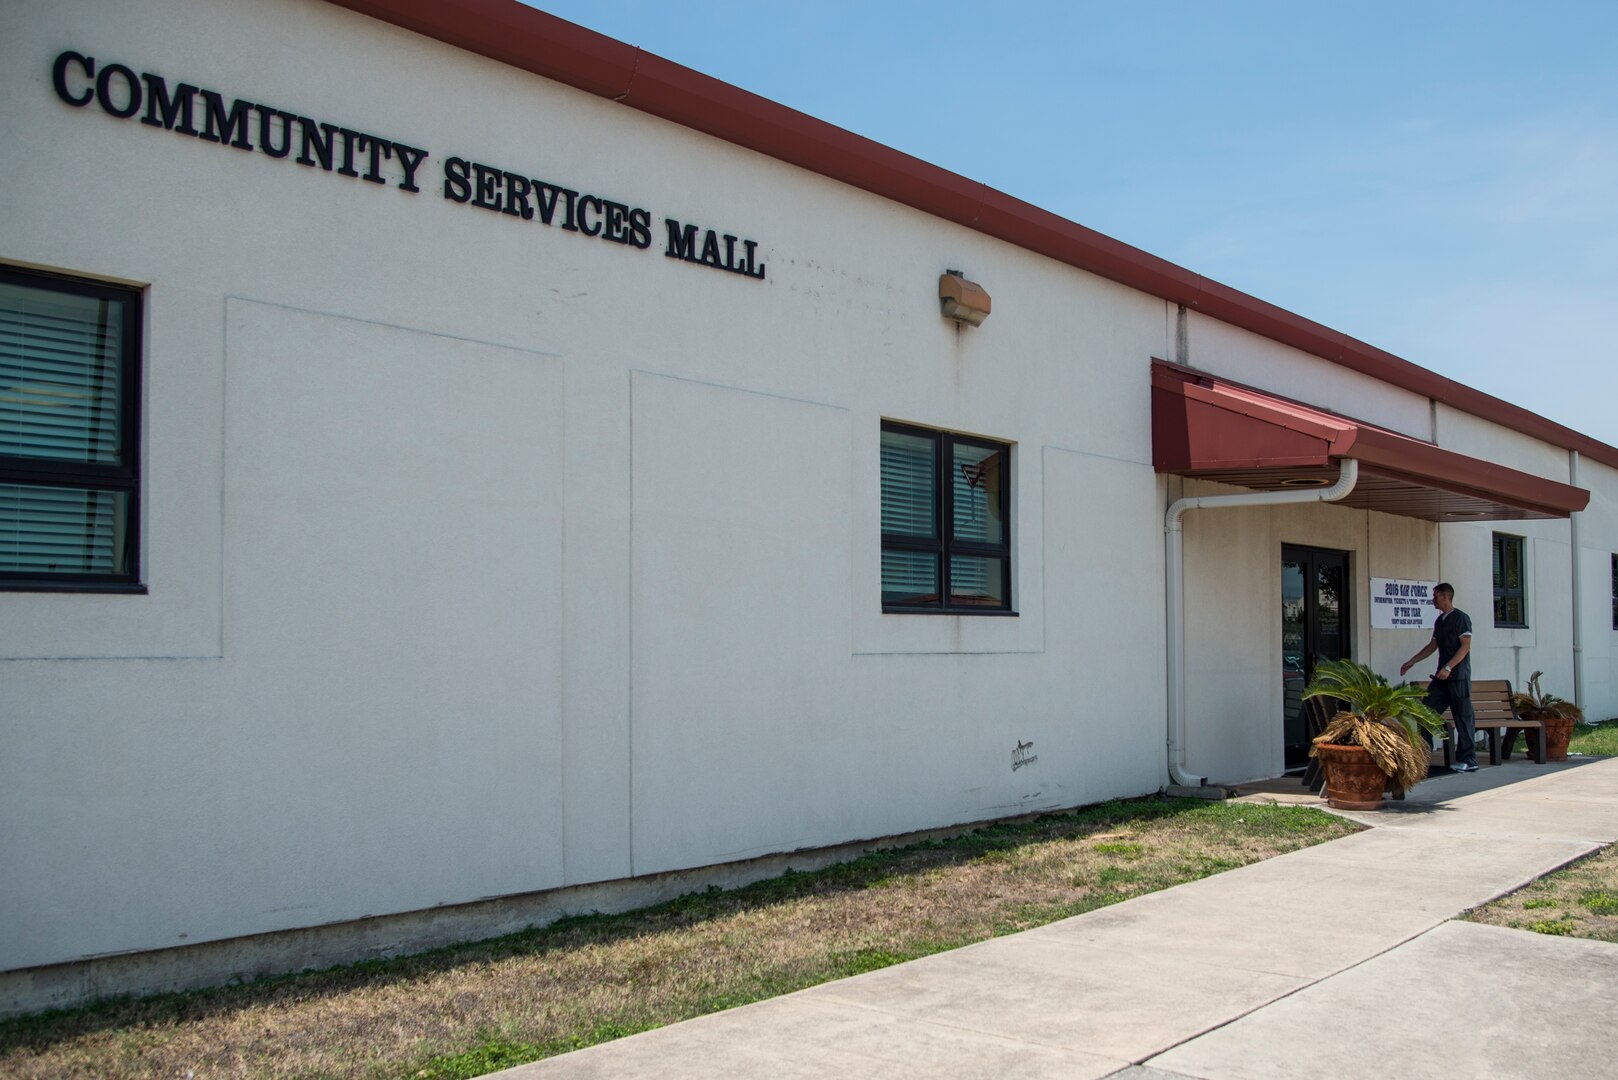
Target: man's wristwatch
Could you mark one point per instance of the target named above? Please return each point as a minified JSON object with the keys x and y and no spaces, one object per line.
{"x":1445,"y":669}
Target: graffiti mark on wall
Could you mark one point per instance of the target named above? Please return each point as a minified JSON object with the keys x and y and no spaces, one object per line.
{"x":1023,"y":755}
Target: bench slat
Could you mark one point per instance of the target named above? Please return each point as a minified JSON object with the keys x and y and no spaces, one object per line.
{"x":1492,"y":710}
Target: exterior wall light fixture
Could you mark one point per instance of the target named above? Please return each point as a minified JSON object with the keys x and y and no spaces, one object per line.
{"x":962,"y":300}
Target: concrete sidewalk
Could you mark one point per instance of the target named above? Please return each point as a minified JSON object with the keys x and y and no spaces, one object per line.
{"x":1337,"y":961}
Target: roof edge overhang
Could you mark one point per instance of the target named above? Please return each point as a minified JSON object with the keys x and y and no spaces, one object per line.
{"x":556,"y":49}
{"x":1208,"y":427}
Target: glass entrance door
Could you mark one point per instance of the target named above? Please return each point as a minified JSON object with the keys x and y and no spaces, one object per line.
{"x":1314,"y":627}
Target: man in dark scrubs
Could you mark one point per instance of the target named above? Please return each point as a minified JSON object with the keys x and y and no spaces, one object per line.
{"x":1451,"y":686}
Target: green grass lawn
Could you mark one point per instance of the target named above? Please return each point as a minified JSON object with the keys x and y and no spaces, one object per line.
{"x":1600,"y":740}
{"x":489,"y":1005}
{"x":1580,"y":900}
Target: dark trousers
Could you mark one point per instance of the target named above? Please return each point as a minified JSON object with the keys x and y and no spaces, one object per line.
{"x":1455,"y":694}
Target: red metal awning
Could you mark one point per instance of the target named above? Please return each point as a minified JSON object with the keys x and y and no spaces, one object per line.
{"x":1209,"y":428}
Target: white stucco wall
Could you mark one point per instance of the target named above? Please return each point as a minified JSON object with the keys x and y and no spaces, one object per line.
{"x":1546,"y":644}
{"x":485,"y":557}
{"x":1476,"y":437}
{"x":1598,"y":542}
{"x":1246,"y":357}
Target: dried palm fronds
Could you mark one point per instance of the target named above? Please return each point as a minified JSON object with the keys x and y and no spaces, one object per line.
{"x":1404,"y":762}
{"x":1387,"y":721}
{"x":1535,"y":705}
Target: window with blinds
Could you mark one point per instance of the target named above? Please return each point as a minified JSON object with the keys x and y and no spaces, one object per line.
{"x":1510,"y":588}
{"x":68,"y":445}
{"x":946,"y":540}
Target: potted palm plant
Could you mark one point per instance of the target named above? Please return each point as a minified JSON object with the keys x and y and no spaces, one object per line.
{"x":1557,"y":716}
{"x":1375,"y":740}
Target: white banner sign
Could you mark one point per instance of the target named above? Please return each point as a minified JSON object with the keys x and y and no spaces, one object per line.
{"x":1402,"y":605}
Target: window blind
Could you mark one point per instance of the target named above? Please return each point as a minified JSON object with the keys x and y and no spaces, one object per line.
{"x":908,"y":500}
{"x":67,"y":475}
{"x":60,"y":530}
{"x":60,"y":375}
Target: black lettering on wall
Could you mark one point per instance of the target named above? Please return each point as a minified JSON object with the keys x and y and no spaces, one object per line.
{"x":489,"y":187}
{"x":548,"y":194}
{"x":640,"y":228}
{"x":457,"y":185}
{"x":485,"y":187}
{"x":710,"y":250}
{"x":222,"y":128}
{"x":79,"y":80}
{"x":409,"y":158}
{"x":614,"y":230}
{"x":377,"y":148}
{"x":316,"y":137}
{"x":517,"y":188}
{"x":586,"y":227}
{"x":85,"y":64}
{"x":347,"y":167}
{"x":132,"y":91}
{"x":682,"y":240}
{"x":570,"y":199}
{"x":173,"y":113}
{"x":683,"y":245}
{"x":266,"y":141}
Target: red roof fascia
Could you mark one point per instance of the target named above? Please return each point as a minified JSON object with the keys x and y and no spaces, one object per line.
{"x":536,"y":41}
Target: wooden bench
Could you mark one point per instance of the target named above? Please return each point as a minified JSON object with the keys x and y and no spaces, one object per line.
{"x":1492,"y":710}
{"x":1317,"y":712}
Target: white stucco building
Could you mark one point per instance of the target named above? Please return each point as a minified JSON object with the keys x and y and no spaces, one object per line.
{"x":446,"y":454}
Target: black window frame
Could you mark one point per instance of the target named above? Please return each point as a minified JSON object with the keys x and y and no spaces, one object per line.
{"x":943,"y":542}
{"x":1501,"y":545}
{"x":1615,"y":591}
{"x":122,"y":477}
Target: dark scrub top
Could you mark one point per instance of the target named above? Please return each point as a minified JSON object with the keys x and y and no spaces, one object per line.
{"x":1448,"y":631}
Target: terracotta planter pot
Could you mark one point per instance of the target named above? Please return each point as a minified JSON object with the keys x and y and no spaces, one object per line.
{"x":1353,"y":780}
{"x":1558,"y":730}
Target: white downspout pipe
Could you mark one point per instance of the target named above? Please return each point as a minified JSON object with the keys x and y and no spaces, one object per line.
{"x":1578,"y":621}
{"x":1174,"y":544}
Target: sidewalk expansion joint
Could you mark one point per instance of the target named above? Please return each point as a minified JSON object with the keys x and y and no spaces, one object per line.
{"x":1290,"y":993}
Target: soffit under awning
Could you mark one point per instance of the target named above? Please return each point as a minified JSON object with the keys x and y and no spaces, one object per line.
{"x":1211,"y":429}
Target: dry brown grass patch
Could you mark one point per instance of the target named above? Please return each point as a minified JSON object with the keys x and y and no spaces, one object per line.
{"x":462,"y":1011}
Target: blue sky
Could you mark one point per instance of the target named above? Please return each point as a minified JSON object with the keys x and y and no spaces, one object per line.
{"x":1438,"y":179}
